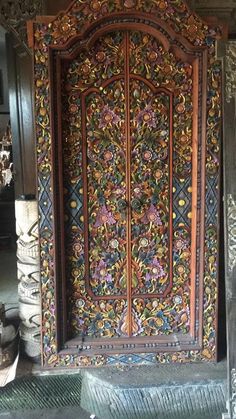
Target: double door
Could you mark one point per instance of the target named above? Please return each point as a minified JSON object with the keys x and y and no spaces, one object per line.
{"x":129,"y":170}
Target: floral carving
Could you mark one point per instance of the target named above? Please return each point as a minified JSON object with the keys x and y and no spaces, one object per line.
{"x":65,"y":27}
{"x":147,"y":116}
{"x":152,"y":216}
{"x":107,"y":118}
{"x":94,"y":115}
{"x":104,"y":217}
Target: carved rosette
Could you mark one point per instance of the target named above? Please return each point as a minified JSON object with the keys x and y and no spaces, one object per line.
{"x":230,"y":71}
{"x":28,"y":270}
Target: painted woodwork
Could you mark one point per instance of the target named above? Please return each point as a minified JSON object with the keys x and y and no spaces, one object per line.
{"x":128,"y":110}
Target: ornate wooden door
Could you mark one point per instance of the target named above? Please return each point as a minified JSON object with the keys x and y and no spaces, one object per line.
{"x":128,"y":118}
{"x":129,"y":97}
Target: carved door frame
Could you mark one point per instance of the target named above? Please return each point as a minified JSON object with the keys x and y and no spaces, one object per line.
{"x":49,"y":41}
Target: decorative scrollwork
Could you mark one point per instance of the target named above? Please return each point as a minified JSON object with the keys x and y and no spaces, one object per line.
{"x":231,"y":220}
{"x":230,"y":67}
{"x":14,"y":14}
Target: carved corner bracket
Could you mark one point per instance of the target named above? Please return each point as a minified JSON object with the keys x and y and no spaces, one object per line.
{"x":14,"y":15}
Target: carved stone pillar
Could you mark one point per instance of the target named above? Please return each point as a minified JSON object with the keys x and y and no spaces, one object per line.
{"x":229,"y":162}
{"x":28,"y":275}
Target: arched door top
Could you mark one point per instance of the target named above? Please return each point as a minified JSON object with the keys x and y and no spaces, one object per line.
{"x":174,"y":15}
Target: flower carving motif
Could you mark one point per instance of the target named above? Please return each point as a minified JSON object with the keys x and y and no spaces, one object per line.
{"x":156,"y":270}
{"x":77,"y":249}
{"x":147,"y":116}
{"x":181,"y":244}
{"x":108,"y":118}
{"x":64,"y":27}
{"x":152,"y":216}
{"x":101,"y":272}
{"x":104,"y":217}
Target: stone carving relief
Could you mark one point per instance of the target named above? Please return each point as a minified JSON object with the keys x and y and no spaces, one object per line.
{"x":230,"y":71}
{"x":28,"y":275}
{"x":231,"y":221}
{"x":14,"y":14}
{"x":231,"y":404}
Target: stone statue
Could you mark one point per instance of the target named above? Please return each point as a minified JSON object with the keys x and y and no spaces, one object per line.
{"x":28,"y":268}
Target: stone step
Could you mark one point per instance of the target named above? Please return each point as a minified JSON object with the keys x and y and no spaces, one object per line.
{"x":166,"y":391}
{"x":195,"y":391}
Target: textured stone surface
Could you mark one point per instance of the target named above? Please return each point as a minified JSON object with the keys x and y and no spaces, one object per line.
{"x":195,"y":391}
{"x":62,"y":413}
{"x":160,"y":374}
{"x":195,"y":401}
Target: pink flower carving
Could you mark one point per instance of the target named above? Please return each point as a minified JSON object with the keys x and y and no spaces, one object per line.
{"x":108,"y":117}
{"x":101,"y":272}
{"x":104,"y":217}
{"x":156,"y":270}
{"x":152,"y":216}
{"x":147,"y":116}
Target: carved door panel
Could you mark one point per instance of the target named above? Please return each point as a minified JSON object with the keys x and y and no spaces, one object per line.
{"x":128,"y":178}
{"x":128,"y":128}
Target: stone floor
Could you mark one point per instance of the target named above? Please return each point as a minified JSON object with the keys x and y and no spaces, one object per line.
{"x":61,"y":413}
